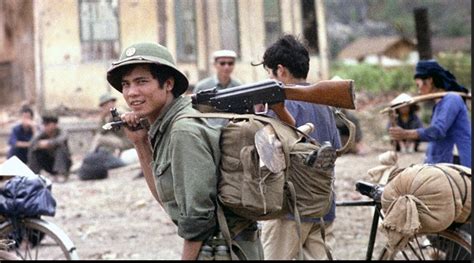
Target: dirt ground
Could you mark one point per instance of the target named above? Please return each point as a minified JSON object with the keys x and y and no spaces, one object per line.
{"x":117,"y":218}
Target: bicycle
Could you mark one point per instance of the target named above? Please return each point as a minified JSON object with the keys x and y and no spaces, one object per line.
{"x":34,"y":238}
{"x":424,"y":246}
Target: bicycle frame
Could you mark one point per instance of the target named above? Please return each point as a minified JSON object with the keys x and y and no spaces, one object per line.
{"x":375,"y":221}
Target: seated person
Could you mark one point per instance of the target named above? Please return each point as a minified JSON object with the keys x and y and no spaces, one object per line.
{"x":49,"y":150}
{"x":109,"y":140}
{"x":407,"y":119}
{"x":21,"y":135}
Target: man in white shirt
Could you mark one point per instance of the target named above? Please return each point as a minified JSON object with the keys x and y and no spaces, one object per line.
{"x":224,"y":64}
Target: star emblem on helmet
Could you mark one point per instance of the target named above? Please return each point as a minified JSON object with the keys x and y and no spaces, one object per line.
{"x":130,"y":52}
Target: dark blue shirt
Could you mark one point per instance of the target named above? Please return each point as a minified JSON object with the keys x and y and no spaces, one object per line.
{"x":450,"y":125}
{"x":18,"y":133}
{"x":325,"y":129}
{"x":413,"y":122}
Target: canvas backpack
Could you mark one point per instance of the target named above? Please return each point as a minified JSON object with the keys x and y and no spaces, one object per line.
{"x":254,"y":191}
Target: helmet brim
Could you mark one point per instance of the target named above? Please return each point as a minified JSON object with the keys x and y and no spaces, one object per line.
{"x":181,"y":81}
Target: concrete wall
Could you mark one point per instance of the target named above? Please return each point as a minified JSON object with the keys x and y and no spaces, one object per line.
{"x":17,"y":78}
{"x":68,"y":81}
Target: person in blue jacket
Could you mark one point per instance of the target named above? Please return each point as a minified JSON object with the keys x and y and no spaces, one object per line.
{"x":21,"y":135}
{"x":450,"y":125}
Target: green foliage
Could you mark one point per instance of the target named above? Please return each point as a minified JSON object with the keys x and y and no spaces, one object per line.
{"x":460,"y":65}
{"x":401,"y":79}
{"x":366,"y":77}
{"x":376,"y":79}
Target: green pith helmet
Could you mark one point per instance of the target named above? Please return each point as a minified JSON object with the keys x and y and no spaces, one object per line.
{"x":106,"y":98}
{"x":150,"y":53}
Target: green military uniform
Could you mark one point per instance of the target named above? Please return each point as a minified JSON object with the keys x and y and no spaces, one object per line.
{"x":211,"y":82}
{"x":110,"y":139}
{"x":186,"y":157}
{"x":186,"y":163}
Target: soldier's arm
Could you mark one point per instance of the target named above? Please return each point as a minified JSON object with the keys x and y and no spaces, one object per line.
{"x":142,"y":144}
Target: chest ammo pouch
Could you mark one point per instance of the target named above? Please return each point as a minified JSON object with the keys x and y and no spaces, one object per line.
{"x":251,"y":190}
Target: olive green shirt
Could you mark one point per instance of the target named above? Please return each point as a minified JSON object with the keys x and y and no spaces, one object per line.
{"x":186,"y":156}
{"x":211,"y":82}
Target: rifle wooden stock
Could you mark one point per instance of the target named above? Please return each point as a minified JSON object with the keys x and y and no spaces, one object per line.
{"x":336,"y":93}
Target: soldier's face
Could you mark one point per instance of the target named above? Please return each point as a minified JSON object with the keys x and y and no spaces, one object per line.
{"x":107,"y":106}
{"x":143,"y":93}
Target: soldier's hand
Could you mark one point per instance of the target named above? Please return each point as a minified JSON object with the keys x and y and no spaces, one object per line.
{"x":134,"y":135}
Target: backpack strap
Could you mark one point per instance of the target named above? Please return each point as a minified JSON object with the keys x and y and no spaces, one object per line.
{"x":352,"y":132}
{"x":323,"y":236}
{"x":235,"y":116}
{"x":292,"y":193}
{"x":226,"y":234}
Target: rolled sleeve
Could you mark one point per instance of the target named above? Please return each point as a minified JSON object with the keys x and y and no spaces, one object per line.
{"x":195,"y":185}
{"x":196,"y":228}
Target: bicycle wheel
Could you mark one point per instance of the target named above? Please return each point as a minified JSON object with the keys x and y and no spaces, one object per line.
{"x":445,"y":245}
{"x":37,"y":239}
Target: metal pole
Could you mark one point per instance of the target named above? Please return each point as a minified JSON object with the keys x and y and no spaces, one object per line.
{"x":322,"y":39}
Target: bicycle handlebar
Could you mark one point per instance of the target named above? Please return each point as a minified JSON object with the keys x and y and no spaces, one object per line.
{"x":373,"y":191}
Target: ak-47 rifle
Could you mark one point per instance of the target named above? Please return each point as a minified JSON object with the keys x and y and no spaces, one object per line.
{"x":243,"y":98}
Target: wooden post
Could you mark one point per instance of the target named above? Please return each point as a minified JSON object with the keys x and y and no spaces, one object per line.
{"x":322,"y":39}
{"x":423,"y":33}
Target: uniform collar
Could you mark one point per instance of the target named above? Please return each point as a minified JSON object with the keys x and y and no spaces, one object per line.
{"x":168,"y":114}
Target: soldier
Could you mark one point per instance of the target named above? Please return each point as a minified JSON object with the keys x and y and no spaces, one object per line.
{"x":49,"y":149}
{"x":224,"y":63}
{"x":179,"y":157}
{"x":109,"y":140}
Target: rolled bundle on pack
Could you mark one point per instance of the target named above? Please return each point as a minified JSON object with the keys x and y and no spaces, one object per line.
{"x":388,"y":165}
{"x":425,"y":198}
